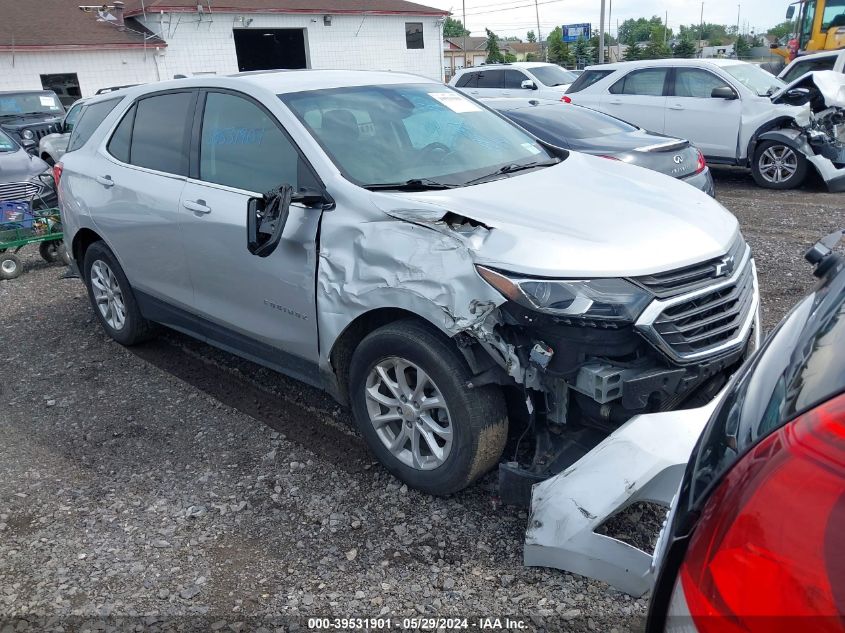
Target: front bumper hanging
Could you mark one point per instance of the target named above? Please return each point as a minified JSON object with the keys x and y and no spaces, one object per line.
{"x":643,"y":460}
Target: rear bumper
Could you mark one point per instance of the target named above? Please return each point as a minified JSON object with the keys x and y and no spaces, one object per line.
{"x":703,"y":181}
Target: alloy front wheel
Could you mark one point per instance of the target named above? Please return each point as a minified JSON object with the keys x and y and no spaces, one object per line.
{"x":778,"y":166}
{"x":409,"y":413}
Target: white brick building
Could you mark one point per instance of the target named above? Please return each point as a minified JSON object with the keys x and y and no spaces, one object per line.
{"x":70,"y":49}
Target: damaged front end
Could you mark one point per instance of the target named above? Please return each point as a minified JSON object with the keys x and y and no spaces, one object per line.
{"x":600,"y":352}
{"x":821,"y":139}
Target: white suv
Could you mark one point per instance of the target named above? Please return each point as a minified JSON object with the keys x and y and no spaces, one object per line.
{"x":521,"y":79}
{"x":722,"y":106}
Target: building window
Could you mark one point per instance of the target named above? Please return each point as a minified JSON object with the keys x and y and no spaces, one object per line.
{"x":414,"y":35}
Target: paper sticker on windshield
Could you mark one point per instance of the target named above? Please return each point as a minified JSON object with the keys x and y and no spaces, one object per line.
{"x":455,"y":102}
{"x":531,"y":148}
{"x":47,"y":101}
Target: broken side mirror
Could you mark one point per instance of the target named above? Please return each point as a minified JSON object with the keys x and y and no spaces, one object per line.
{"x":724,"y":92}
{"x":529,"y":85}
{"x":265,"y":220}
{"x":790,"y":11}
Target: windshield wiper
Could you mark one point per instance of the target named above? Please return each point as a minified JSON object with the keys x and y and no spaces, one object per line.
{"x":511,"y":168}
{"x":414,"y":184}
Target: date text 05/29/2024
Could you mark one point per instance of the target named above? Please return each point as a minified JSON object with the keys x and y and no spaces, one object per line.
{"x":416,"y":624}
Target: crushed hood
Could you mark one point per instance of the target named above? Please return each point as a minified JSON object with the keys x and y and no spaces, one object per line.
{"x":830,"y":86}
{"x":587,"y":217}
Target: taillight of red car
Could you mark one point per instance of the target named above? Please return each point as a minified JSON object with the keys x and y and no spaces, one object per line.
{"x":701,"y":165}
{"x":768,"y":553}
{"x":57,"y":173}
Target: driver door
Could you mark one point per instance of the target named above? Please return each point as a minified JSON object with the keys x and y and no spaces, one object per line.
{"x":261,"y":307}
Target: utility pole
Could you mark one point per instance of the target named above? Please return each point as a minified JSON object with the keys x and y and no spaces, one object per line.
{"x":539,"y":35}
{"x":601,"y":34}
{"x":609,"y":22}
{"x":464,"y":43}
{"x":665,"y":28}
{"x":738,"y":9}
{"x":700,"y":33}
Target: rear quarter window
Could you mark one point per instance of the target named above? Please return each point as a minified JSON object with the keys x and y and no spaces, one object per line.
{"x":587,"y":79}
{"x":89,"y":120}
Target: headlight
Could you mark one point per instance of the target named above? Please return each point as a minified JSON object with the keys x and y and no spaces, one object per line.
{"x":27,"y":135}
{"x":599,"y":299}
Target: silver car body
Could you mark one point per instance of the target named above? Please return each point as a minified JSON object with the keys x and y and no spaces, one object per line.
{"x":374,"y":254}
{"x":52,"y":147}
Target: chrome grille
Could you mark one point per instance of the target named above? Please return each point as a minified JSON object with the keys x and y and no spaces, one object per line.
{"x":707,"y":322}
{"x":18,"y":191}
{"x":689,"y":278}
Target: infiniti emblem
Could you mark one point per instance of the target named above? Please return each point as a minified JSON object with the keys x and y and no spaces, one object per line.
{"x":678,"y":159}
{"x":725,"y":266}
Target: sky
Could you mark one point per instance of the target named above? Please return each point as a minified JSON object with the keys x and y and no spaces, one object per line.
{"x":516,"y":17}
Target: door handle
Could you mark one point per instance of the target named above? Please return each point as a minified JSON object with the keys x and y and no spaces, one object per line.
{"x":615,"y":102}
{"x":197,"y":206}
{"x":106,"y":181}
{"x":676,"y":106}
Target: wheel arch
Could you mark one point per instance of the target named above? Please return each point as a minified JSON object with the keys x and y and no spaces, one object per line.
{"x":779,"y":124}
{"x":82,"y":240}
{"x":344,"y":346}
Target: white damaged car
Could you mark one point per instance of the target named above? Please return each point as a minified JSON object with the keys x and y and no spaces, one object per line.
{"x":735,"y":112}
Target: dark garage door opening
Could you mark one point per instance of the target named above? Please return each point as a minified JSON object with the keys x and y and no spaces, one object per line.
{"x":267,"y":49}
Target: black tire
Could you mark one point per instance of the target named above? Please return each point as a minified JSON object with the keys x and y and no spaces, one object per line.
{"x":50,"y":251}
{"x":135,"y":328}
{"x":11,"y":266}
{"x":478,"y":416}
{"x":795,"y":180}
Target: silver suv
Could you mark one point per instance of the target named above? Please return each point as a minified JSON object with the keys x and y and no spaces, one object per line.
{"x":392,"y":241}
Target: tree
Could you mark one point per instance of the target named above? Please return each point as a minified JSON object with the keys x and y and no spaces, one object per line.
{"x":582,"y":52}
{"x":784,"y":29}
{"x":741,"y":48}
{"x":685,"y":48}
{"x":633,"y":53}
{"x":558,"y":50}
{"x":531,"y":37}
{"x":510,"y":58}
{"x":454,"y":28}
{"x":494,"y":55}
{"x":632,"y":31}
{"x":656,"y":49}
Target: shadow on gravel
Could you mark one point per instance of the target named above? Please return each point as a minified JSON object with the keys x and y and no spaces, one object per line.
{"x":298,"y":423}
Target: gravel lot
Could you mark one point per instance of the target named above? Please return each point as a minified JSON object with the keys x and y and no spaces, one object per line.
{"x":172,"y":486}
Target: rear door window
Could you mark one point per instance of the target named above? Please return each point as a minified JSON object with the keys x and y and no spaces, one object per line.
{"x":491,"y":79}
{"x":647,"y":82}
{"x":161,"y":131}
{"x":89,"y":120}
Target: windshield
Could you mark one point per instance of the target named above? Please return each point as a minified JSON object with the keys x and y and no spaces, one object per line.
{"x":7,"y":144}
{"x":834,"y":14}
{"x":754,"y":78}
{"x":30,"y":103}
{"x":553,"y":75}
{"x":397,"y":133}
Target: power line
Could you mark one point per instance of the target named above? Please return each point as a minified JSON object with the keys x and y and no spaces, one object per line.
{"x":518,"y":6}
